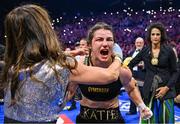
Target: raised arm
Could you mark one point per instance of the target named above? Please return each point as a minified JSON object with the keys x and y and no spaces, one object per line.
{"x":80,"y":51}
{"x":95,"y":75}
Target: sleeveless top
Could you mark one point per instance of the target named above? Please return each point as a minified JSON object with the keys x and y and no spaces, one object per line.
{"x":100,"y":92}
{"x":38,"y":101}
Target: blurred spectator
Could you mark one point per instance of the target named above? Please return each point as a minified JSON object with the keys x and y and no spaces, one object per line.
{"x":126,"y":27}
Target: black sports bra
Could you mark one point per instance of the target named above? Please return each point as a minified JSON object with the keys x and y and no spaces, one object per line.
{"x":100,"y":92}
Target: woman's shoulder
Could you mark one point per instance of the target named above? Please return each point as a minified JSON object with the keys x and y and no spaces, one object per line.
{"x":167,"y":48}
{"x":47,"y":70}
{"x":45,"y":67}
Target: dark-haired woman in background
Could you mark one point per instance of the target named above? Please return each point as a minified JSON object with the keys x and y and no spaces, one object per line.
{"x":161,"y":75}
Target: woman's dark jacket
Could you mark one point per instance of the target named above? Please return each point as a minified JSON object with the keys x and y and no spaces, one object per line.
{"x":166,"y":69}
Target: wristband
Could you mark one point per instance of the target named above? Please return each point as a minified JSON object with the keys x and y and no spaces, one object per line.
{"x":141,"y":106}
{"x":118,"y":58}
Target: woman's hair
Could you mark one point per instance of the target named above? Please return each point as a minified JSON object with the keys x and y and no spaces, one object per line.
{"x":159,"y":26}
{"x":97,"y":26}
{"x":30,"y":38}
{"x":2,"y":49}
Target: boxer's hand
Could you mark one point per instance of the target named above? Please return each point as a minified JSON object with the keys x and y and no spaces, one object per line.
{"x":145,"y":112}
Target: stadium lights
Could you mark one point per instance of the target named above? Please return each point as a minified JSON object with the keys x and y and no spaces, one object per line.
{"x":148,"y":12}
{"x":124,"y":10}
{"x":57,"y":20}
{"x":128,"y":11}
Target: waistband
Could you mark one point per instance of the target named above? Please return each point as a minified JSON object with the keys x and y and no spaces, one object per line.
{"x":99,"y":114}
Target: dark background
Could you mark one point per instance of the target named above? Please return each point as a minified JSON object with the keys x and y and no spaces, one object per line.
{"x":70,"y":8}
{"x":58,"y":7}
